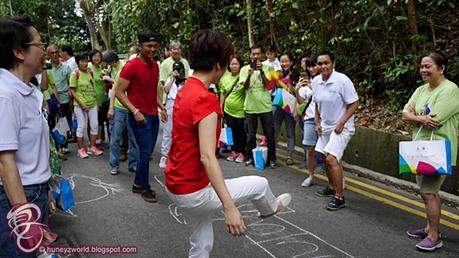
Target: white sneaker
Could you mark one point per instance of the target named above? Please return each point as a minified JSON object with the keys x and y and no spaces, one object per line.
{"x":162,"y":162}
{"x":283,"y":201}
{"x":308,"y":182}
{"x":114,"y":171}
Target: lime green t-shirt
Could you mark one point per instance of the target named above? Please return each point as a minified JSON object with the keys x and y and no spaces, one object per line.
{"x":300,"y":107}
{"x":444,"y":102}
{"x":115,"y":73}
{"x":234,"y":102}
{"x":257,"y":97}
{"x":84,"y":87}
{"x":101,"y":97}
{"x":51,"y":85}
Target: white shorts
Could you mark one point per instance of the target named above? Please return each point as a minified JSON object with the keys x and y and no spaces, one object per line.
{"x":333,"y":143}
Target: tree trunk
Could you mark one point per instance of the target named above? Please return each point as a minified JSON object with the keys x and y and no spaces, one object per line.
{"x":272,"y":33}
{"x":104,"y":32}
{"x":249,"y":21}
{"x":412,"y":22}
{"x":88,"y":16}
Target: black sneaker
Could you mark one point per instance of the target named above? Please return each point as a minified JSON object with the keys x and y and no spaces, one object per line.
{"x":250,"y":162}
{"x":327,"y":192}
{"x":336,"y":204}
{"x":149,"y":195}
{"x":272,"y":164}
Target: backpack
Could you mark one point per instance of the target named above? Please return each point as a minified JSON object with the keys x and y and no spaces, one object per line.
{"x":77,"y":73}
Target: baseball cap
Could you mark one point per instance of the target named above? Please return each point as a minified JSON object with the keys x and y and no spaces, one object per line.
{"x":146,"y":36}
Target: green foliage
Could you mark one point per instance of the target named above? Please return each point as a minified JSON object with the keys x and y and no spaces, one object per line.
{"x":56,"y":20}
{"x":373,"y":40}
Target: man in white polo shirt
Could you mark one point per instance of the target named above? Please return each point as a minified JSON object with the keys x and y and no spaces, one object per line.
{"x":336,"y":101}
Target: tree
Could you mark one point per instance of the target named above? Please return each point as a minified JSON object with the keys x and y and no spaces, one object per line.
{"x":89,"y":10}
{"x":249,"y":21}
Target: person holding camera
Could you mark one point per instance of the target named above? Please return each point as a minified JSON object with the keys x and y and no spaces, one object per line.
{"x":258,"y":105}
{"x":173,"y":74}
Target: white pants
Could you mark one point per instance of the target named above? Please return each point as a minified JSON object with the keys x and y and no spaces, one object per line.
{"x":167,"y":128}
{"x":199,"y":207}
{"x":82,"y":118}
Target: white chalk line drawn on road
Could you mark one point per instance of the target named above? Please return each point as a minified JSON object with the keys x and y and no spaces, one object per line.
{"x":318,"y":238}
{"x":96,"y":182}
{"x":159,"y":181}
{"x":283,"y":241}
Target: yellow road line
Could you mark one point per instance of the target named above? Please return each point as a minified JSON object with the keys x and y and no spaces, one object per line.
{"x":382,"y":191}
{"x":399,"y":197}
{"x":399,"y":206}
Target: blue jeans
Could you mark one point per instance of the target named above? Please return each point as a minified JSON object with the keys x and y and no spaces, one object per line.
{"x":37,"y":194}
{"x":118,"y":124}
{"x":280,"y":116}
{"x":146,"y":136}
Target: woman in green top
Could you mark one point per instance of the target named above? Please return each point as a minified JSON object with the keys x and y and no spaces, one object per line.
{"x":84,"y":94}
{"x":95,"y":56}
{"x":232,"y":99}
{"x":433,"y":107}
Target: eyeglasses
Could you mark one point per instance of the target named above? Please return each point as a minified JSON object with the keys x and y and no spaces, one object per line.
{"x":41,"y":45}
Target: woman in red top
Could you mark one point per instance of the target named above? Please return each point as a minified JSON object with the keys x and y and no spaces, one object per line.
{"x":194,"y":179}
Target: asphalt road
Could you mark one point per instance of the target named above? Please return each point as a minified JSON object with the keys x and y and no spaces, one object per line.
{"x":109,"y":215}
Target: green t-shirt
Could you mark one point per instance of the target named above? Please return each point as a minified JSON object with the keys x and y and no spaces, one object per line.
{"x":51,"y":85}
{"x":101,"y":97}
{"x":444,"y":102}
{"x":257,"y":97}
{"x":301,"y":107}
{"x":84,"y":87}
{"x":234,"y":102}
{"x":115,"y":74}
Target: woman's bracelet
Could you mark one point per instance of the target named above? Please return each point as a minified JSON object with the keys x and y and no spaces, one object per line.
{"x":135,"y":112}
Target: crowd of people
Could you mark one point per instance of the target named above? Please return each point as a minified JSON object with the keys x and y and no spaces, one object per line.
{"x":99,"y":95}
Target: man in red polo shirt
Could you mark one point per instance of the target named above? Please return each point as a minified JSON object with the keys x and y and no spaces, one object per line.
{"x":139,"y":80}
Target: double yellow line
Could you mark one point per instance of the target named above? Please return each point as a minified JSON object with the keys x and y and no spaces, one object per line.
{"x":382,"y":192}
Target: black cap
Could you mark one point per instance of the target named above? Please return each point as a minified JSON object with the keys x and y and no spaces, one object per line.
{"x":146,"y":36}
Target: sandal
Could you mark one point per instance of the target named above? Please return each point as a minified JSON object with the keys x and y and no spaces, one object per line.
{"x":289,"y":161}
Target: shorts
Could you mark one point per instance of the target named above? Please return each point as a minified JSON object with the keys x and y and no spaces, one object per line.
{"x":310,"y":134}
{"x":333,"y":143}
{"x":430,"y":184}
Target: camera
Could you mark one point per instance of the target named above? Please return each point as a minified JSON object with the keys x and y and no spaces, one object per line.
{"x":253,"y":64}
{"x":180,"y":68}
{"x":47,"y":66}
